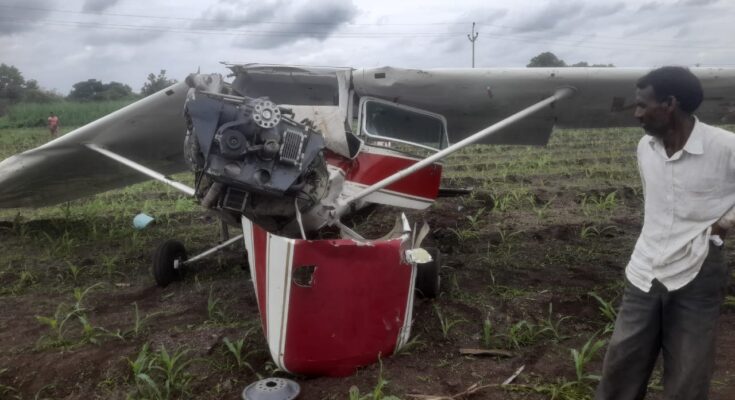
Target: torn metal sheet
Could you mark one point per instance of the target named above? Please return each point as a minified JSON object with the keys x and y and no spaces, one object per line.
{"x":317,"y":301}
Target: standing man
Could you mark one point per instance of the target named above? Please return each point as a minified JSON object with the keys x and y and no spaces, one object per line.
{"x":53,"y":124}
{"x":677,"y":274}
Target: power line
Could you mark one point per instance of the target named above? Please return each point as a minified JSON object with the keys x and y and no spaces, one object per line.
{"x":361,"y":35}
{"x":511,"y":36}
{"x":266,"y":22}
{"x":231,"y":32}
{"x":189,"y":19}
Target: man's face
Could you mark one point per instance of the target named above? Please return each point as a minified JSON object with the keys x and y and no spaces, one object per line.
{"x":654,"y":116}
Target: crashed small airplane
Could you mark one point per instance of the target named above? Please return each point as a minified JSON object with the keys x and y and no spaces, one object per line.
{"x":286,"y":151}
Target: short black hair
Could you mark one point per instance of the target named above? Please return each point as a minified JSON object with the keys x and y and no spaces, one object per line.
{"x":679,"y":82}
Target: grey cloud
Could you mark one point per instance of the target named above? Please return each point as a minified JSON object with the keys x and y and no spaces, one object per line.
{"x":22,"y":15}
{"x":663,"y":22}
{"x":98,"y":5}
{"x":683,"y":32}
{"x":652,"y":6}
{"x":234,"y":14}
{"x":123,"y":37}
{"x":305,"y":20}
{"x":548,"y":17}
{"x":564,"y":17}
{"x":698,"y":3}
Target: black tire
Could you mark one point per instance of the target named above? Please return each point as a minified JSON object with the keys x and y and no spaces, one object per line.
{"x":163,"y":262}
{"x":427,"y":275}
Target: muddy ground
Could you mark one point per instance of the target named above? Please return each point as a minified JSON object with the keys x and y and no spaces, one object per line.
{"x":530,"y":260}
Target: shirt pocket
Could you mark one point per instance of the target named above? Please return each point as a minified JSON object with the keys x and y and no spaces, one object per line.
{"x":698,"y":199}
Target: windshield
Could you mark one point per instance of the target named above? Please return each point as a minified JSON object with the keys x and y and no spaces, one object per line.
{"x":388,"y":121}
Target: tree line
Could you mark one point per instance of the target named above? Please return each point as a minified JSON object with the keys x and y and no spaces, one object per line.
{"x":14,"y":88}
{"x":549,"y":59}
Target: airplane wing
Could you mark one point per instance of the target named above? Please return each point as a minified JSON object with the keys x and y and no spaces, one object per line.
{"x":150,"y":131}
{"x":472,"y":99}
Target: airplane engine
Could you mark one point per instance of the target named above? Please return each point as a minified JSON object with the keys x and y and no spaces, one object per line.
{"x":249,"y":158}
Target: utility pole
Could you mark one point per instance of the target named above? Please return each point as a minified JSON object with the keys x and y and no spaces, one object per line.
{"x":472,"y":37}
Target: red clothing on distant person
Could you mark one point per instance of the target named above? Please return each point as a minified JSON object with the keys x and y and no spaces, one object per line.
{"x":53,"y":124}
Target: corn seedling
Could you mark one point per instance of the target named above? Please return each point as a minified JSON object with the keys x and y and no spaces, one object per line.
{"x":524,"y":333}
{"x":26,"y":279}
{"x":607,"y":310}
{"x":90,"y":333}
{"x":159,"y":375}
{"x":476,"y":219}
{"x":73,"y":272}
{"x":561,"y":389}
{"x":464,"y":234}
{"x":80,"y":294}
{"x":553,"y":325}
{"x":214,"y":308}
{"x":592,"y":231}
{"x":377,"y":392}
{"x":413,"y":344}
{"x":540,"y":210}
{"x":445,"y":322}
{"x":139,"y":324}
{"x":57,"y":323}
{"x":599,"y":204}
{"x":583,"y":356}
{"x":236,"y":350}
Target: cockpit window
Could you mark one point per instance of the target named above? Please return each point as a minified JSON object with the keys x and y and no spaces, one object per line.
{"x":386,"y":121}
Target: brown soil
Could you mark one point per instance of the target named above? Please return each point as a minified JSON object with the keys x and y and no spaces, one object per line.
{"x":509,"y":267}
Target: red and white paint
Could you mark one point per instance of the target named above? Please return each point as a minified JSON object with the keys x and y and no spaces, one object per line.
{"x":373,"y":164}
{"x":356,"y":308}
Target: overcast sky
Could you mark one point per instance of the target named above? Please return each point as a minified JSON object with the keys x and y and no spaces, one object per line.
{"x":60,"y":43}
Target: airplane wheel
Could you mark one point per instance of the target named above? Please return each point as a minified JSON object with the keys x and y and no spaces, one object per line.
{"x":427,"y":275}
{"x":163,"y":262}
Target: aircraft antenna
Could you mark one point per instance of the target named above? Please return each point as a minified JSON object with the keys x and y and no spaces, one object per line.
{"x":472,"y":37}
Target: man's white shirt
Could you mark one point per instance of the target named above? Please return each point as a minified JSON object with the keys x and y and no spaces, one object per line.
{"x":684,"y":195}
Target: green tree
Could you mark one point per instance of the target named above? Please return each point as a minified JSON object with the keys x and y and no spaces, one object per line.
{"x":94,"y":90}
{"x":546,"y":59}
{"x":585,"y":64}
{"x":12,"y":83}
{"x":156,"y":83}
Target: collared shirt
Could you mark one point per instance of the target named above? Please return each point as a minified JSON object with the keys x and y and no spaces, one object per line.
{"x":683,"y":196}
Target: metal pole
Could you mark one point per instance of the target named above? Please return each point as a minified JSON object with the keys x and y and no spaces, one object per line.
{"x":213,"y":249}
{"x":142,"y":169}
{"x":561,"y":93}
{"x":472,"y":37}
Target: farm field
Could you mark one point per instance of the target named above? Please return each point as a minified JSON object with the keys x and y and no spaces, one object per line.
{"x":533,"y":265}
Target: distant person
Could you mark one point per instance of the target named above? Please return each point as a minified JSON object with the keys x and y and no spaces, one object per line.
{"x":53,"y":124}
{"x":677,"y":275}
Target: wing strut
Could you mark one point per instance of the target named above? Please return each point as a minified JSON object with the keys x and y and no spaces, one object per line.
{"x":142,"y":169}
{"x":560,"y":94}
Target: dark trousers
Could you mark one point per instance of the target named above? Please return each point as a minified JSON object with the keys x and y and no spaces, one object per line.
{"x":681,"y":324}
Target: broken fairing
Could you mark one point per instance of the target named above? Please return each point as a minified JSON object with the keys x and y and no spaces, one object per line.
{"x":317,"y":301}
